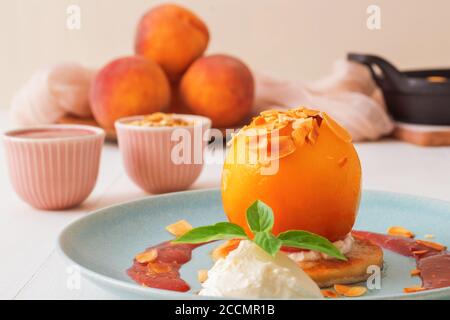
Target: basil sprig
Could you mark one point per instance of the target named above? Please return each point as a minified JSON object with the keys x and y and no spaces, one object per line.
{"x":260,"y":221}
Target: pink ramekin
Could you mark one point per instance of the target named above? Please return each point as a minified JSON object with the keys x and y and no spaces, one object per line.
{"x":147,"y":153}
{"x":54,"y":173}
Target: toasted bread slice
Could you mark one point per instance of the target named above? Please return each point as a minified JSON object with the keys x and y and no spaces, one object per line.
{"x":327,"y":273}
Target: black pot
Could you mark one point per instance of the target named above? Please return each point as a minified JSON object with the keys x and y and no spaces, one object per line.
{"x":421,"y":96}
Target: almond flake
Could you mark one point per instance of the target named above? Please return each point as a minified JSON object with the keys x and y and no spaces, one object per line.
{"x":415,"y":272}
{"x":299,"y":136}
{"x":179,"y":228}
{"x":429,"y":236}
{"x":156,"y":267}
{"x":329,"y":293}
{"x":298,"y":113}
{"x":305,"y":123}
{"x":419,"y":252}
{"x":314,"y":132}
{"x":413,"y":289}
{"x":348,"y":291}
{"x":400,"y":232}
{"x":202,"y":275}
{"x":147,"y":256}
{"x":268,"y":113}
{"x":159,"y":119}
{"x":259,"y":121}
{"x":224,"y":249}
{"x":432,"y":245}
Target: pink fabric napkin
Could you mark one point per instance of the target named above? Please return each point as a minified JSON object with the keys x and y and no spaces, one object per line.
{"x":52,"y":92}
{"x":348,"y":94}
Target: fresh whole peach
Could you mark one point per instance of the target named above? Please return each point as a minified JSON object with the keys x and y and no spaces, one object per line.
{"x":128,"y":86}
{"x":219,"y":87}
{"x":173,"y":37}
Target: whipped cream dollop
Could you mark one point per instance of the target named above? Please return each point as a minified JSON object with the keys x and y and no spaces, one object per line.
{"x":250,"y":272}
{"x":344,"y":246}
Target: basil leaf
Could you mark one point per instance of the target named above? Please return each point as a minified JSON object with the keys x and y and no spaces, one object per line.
{"x":260,"y":217}
{"x":268,"y":242}
{"x":230,"y":228}
{"x":310,"y":241}
{"x":219,"y":231}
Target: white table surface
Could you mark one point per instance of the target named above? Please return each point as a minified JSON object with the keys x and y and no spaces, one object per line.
{"x":31,"y":268}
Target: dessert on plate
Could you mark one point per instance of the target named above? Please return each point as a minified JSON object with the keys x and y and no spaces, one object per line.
{"x":316,"y":187}
{"x":291,"y":187}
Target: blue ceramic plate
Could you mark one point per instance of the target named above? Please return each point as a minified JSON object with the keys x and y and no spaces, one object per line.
{"x":104,"y":243}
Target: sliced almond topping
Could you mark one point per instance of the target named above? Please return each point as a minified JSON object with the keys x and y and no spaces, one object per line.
{"x":348,"y":291}
{"x":329,"y":293}
{"x":269,"y":113}
{"x":262,"y":128}
{"x":341,"y":289}
{"x":299,"y":136}
{"x":432,"y":245}
{"x":306,"y":123}
{"x":293,"y":127}
{"x":400,"y":232}
{"x":419,"y":252}
{"x":313,"y":134}
{"x":259,"y":121}
{"x":224,"y":249}
{"x":415,"y":272}
{"x":301,"y":129}
{"x":413,"y":289}
{"x":429,"y":236}
{"x":156,"y":267}
{"x":202,"y":275}
{"x":285,"y":118}
{"x":179,"y":228}
{"x":160,"y":119}
{"x":147,"y":256}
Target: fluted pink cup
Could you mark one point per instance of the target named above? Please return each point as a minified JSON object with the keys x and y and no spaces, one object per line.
{"x":56,"y":166}
{"x":163,"y":159}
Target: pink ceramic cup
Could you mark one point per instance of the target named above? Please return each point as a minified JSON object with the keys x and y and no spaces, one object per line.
{"x":153,"y":156}
{"x":55,"y":166}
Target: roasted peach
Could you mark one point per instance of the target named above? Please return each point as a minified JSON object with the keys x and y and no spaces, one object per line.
{"x":310,"y":173}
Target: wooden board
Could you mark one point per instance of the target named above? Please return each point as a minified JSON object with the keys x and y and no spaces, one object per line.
{"x":422,"y":135}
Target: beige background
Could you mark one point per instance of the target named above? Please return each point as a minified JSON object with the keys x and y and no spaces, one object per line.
{"x":289,"y":39}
